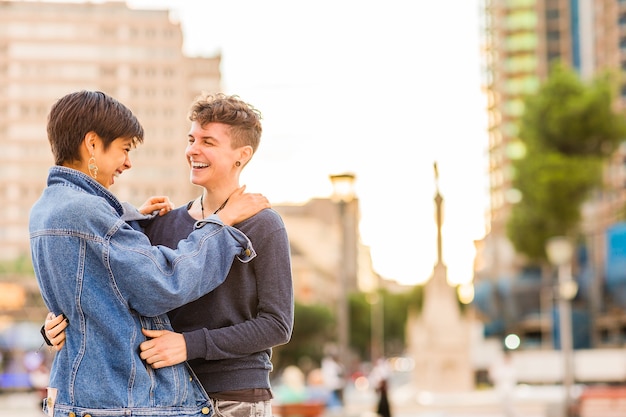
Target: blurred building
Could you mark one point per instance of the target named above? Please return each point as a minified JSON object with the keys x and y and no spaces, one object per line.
{"x":50,"y":49}
{"x":521,"y":38}
{"x":315,"y":231}
{"x":46,"y":51}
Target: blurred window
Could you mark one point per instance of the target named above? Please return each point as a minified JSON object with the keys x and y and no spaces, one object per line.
{"x":524,"y":19}
{"x":521,"y":42}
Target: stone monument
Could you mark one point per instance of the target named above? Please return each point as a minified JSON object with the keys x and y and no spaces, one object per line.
{"x":439,"y":337}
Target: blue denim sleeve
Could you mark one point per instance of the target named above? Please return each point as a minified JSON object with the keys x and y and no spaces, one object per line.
{"x":155,"y":279}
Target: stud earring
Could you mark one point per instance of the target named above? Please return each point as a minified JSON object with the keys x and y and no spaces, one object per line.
{"x":237,"y":163}
{"x":93,"y":168}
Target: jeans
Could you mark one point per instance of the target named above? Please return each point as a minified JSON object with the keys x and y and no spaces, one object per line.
{"x":227,"y":408}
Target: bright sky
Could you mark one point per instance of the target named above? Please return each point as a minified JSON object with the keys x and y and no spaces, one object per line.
{"x":380,"y":88}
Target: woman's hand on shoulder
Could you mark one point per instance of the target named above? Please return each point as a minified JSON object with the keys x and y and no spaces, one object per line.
{"x":242,"y":205}
{"x":159,"y":203}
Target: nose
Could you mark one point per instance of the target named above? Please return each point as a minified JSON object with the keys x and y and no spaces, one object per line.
{"x":190,"y":150}
{"x":127,"y":163}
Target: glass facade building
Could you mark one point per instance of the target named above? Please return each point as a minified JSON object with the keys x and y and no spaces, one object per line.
{"x":521,"y":39}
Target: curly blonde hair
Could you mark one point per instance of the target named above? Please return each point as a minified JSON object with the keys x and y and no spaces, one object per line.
{"x":243,"y":118}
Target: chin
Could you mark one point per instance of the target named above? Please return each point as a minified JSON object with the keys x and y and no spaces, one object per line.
{"x":196,"y":179}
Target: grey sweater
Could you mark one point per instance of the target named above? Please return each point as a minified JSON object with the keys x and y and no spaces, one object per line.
{"x":230,"y":332}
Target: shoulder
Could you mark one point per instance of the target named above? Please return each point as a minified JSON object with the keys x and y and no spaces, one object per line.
{"x":171,"y":227}
{"x":75,"y":202}
{"x":270,"y":215}
{"x":262,"y":224}
{"x":267,"y":218}
{"x":178,"y":214}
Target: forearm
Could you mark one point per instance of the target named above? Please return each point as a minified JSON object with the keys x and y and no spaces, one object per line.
{"x":239,"y":340}
{"x":207,"y":254}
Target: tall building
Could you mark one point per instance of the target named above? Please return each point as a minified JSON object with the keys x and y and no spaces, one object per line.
{"x":50,"y":49}
{"x":521,"y":39}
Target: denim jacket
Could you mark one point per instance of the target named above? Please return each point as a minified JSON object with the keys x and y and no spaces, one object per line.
{"x":109,"y":281}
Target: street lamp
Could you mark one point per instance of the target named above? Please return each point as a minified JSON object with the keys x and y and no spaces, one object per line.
{"x":560,"y":252}
{"x":377,"y":323}
{"x":343,"y":194}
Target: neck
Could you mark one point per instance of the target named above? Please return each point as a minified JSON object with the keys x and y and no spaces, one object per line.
{"x":211,"y":201}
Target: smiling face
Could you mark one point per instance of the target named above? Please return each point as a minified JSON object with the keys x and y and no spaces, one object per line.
{"x":211,"y":158}
{"x":112,"y":161}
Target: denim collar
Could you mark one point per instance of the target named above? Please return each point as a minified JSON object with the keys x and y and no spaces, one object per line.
{"x":69,"y":177}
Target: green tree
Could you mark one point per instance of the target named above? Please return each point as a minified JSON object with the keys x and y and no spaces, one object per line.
{"x":571,"y":117}
{"x":22,"y":265}
{"x":569,"y":128}
{"x":395,"y":307}
{"x":313,"y":328}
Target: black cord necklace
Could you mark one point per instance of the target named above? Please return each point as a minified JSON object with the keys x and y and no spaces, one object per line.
{"x":216,"y":211}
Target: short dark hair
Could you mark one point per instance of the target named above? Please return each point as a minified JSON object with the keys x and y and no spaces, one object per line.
{"x":78,"y":113}
{"x":244,"y":120}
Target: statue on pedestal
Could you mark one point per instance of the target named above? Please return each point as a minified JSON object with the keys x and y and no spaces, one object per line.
{"x":439,"y":337}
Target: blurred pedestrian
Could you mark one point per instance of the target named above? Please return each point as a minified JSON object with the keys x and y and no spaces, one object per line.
{"x":383,"y":409}
{"x":504,"y":377}
{"x":332,"y":373}
{"x":379,"y":378}
{"x":292,"y":388}
{"x":319,"y":392}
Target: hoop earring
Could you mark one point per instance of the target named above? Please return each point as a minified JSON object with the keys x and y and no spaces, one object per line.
{"x":93,"y":168}
{"x":237,"y":163}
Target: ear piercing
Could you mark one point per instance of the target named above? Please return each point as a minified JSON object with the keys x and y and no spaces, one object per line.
{"x":93,"y":168}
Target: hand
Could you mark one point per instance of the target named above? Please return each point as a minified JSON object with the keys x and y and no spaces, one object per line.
{"x":159,"y":203}
{"x":164,"y":348}
{"x":242,"y":205}
{"x":55,"y":330}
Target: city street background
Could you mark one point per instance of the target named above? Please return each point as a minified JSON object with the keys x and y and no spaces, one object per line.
{"x":534,"y":402}
{"x":382,"y":90}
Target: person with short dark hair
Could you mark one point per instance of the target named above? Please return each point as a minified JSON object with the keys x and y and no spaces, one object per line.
{"x":107,"y":279}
